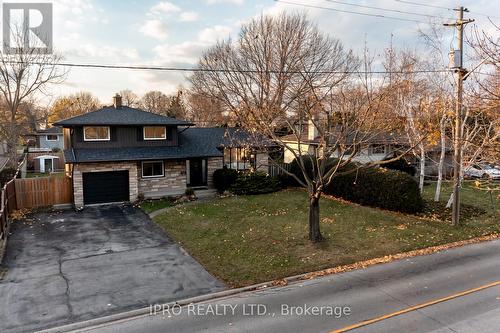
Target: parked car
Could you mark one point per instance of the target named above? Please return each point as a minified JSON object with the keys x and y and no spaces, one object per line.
{"x":483,"y":171}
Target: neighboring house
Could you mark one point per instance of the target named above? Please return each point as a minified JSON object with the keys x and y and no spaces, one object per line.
{"x":47,"y":155}
{"x":120,"y":154}
{"x":48,"y":140}
{"x":378,"y":147}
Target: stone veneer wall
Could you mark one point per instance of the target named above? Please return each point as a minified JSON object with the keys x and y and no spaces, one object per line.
{"x":173,"y":183}
{"x":213,"y":164}
{"x":78,"y":169}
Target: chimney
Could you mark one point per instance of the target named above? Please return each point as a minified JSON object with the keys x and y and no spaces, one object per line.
{"x":312,"y":131}
{"x":117,"y":101}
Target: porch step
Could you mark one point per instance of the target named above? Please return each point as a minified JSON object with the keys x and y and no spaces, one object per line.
{"x":206,"y":193}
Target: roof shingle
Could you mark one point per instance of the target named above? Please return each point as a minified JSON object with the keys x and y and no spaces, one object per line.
{"x":122,"y":116}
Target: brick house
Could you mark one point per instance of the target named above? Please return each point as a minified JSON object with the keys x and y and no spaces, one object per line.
{"x":119,"y":153}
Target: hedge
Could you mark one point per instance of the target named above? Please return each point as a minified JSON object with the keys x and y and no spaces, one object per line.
{"x":255,"y":183}
{"x":377,"y":187}
{"x":224,"y":178}
{"x":401,"y":165}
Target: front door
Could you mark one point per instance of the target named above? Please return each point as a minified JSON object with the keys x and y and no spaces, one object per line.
{"x":197,"y":172}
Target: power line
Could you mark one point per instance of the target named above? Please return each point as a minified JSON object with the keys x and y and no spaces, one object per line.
{"x":423,"y":5}
{"x":350,"y":12}
{"x":221,"y":70}
{"x":384,"y":9}
{"x":441,"y":7}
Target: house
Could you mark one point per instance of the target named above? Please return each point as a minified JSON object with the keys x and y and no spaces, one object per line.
{"x":47,"y":154}
{"x":49,"y":139}
{"x":376,"y":147}
{"x":119,"y":153}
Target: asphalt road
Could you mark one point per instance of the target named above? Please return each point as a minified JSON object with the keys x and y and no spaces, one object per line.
{"x":352,"y":297}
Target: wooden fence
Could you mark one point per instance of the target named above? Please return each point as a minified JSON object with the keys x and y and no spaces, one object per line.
{"x":275,"y":169}
{"x":7,"y":205}
{"x":43,"y":191}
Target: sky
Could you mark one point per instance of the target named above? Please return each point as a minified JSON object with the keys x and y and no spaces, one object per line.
{"x":175,"y":33}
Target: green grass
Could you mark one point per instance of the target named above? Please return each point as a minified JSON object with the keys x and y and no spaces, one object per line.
{"x":151,"y":205}
{"x":250,"y":239}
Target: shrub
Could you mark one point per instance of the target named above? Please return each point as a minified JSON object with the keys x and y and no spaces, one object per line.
{"x":255,"y":183}
{"x":309,"y":163}
{"x":224,"y":178}
{"x":6,"y":175}
{"x":189,"y":192}
{"x":378,"y":187}
{"x":401,"y":165}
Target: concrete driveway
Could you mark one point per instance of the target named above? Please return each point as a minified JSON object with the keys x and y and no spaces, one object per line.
{"x":70,"y":266}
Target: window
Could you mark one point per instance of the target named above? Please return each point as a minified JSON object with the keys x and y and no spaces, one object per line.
{"x":153,"y":169}
{"x":155,"y":133}
{"x":96,"y":133}
{"x":52,"y":137}
{"x":378,"y":149}
{"x":239,"y":158}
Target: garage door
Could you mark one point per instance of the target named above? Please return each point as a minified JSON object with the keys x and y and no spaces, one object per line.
{"x":102,"y":187}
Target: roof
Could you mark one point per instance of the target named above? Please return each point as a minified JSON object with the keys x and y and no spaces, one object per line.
{"x":349,"y":138}
{"x":121,"y":116}
{"x":193,"y":142}
{"x":50,"y":130}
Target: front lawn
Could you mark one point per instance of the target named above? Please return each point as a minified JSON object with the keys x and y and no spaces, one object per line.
{"x":150,"y":206}
{"x":250,"y":239}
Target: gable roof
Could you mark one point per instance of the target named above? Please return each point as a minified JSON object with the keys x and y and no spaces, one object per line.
{"x":121,"y":116}
{"x":50,"y":130}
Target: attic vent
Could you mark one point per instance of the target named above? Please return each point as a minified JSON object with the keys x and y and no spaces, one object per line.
{"x":117,"y":101}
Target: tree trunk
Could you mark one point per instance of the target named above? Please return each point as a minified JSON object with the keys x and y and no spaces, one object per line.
{"x":422,"y":169}
{"x":314,"y":232}
{"x":441,"y":163}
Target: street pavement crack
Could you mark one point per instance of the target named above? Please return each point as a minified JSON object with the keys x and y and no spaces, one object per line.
{"x":66,"y":280}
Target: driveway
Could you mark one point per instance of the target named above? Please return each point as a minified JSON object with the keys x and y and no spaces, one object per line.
{"x":70,"y":266}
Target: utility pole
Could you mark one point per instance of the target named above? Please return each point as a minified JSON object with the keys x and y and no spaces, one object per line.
{"x":460,"y":72}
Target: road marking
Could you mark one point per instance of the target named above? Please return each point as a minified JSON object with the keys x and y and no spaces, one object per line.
{"x":413,"y":308}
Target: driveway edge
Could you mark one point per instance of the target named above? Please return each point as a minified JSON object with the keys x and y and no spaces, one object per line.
{"x":95,"y":323}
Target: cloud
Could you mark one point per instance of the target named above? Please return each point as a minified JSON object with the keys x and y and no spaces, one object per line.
{"x":154,"y":28}
{"x":214,"y":33}
{"x":165,"y":7}
{"x":234,"y":2}
{"x":189,"y":16}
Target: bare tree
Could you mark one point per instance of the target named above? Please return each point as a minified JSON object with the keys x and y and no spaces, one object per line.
{"x":129,"y":98}
{"x":155,"y":102}
{"x":283,"y":70}
{"x":73,"y":105}
{"x":206,"y":111}
{"x":22,"y":75}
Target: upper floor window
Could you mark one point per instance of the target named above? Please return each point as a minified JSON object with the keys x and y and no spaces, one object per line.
{"x":52,"y":137}
{"x":96,"y":133}
{"x":155,"y":132}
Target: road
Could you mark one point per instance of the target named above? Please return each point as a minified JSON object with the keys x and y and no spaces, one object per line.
{"x":349,"y":298}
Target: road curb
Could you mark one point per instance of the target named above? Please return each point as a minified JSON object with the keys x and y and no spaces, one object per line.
{"x":94,"y":323}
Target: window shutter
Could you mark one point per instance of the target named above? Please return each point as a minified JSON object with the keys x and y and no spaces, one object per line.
{"x":140,"y":134}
